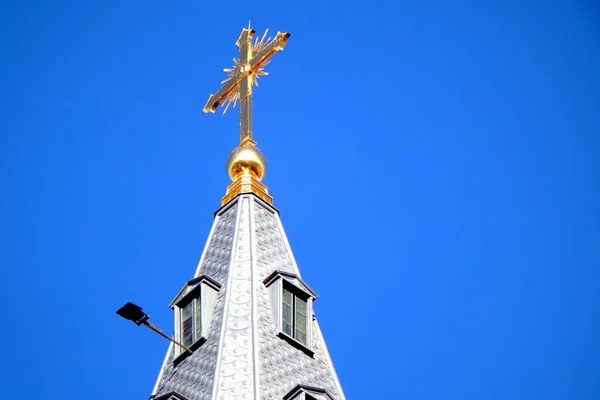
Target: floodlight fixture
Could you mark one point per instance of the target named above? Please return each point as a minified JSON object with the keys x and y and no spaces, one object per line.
{"x":134,"y":313}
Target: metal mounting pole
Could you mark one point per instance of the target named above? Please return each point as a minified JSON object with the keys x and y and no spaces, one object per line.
{"x":157,"y":330}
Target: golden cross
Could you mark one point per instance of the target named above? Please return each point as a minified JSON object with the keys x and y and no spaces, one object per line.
{"x":244,"y":73}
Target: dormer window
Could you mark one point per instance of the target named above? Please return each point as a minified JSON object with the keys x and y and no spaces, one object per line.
{"x":191,"y":322}
{"x":291,"y":301}
{"x":294,"y":314}
{"x":193,"y":310}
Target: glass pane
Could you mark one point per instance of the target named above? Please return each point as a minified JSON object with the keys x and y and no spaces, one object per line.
{"x":186,"y":311}
{"x":300,"y":306}
{"x":187,"y":332}
{"x":188,"y":341}
{"x":287,"y":297}
{"x":287,"y":319}
{"x":198,"y":320}
{"x":286,"y":308}
{"x":301,"y":320}
{"x":287,"y":328}
{"x":301,"y":337}
{"x":300,"y":323}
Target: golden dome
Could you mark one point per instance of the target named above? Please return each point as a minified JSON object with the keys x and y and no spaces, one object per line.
{"x":246,"y":157}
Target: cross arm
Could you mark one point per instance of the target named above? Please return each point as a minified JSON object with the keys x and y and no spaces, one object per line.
{"x":258,"y":60}
{"x":215,"y":99}
{"x":276,"y":45}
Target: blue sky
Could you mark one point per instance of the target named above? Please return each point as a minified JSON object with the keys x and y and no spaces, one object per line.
{"x":435,"y":164}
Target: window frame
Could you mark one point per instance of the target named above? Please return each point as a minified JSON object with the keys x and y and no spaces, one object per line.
{"x":197,"y":316}
{"x":201,"y":292}
{"x":275,"y":284}
{"x":194,"y":296}
{"x":295,"y":296}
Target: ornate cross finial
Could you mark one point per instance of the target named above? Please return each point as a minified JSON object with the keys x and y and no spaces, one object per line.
{"x":246,"y":165}
{"x":245,"y":72}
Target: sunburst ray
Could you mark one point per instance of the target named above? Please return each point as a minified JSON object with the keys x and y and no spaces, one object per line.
{"x":257,"y":46}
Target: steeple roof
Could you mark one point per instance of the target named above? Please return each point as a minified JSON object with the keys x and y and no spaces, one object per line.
{"x":244,"y":326}
{"x":244,"y":356}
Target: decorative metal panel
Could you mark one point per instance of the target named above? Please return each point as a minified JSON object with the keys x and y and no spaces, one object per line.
{"x":243,"y":358}
{"x":194,"y":376}
{"x":235,"y":379}
{"x":282,"y":367}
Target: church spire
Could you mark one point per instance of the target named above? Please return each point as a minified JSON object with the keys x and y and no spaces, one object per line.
{"x":246,"y":165}
{"x":246,"y":315}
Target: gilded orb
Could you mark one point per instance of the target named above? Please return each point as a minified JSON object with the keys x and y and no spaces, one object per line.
{"x":246,"y":157}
